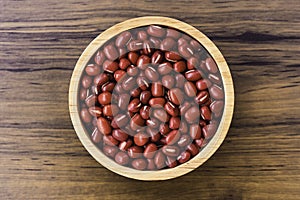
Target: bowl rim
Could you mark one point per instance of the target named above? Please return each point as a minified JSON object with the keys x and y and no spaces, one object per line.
{"x":212,"y":145}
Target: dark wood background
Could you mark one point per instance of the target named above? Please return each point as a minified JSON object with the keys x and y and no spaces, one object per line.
{"x":40,"y":154}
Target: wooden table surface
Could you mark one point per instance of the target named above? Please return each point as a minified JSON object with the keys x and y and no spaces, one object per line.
{"x":40,"y":154}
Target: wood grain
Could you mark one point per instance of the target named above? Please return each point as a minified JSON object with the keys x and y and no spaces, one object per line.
{"x":40,"y":154}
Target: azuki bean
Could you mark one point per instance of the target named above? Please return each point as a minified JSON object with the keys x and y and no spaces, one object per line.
{"x":216,"y":92}
{"x":155,"y":42}
{"x":161,"y":115}
{"x":150,"y":150}
{"x":193,"y":75}
{"x":96,"y":136}
{"x":123,"y":39}
{"x":156,"y":31}
{"x":193,"y":149}
{"x":145,"y":112}
{"x":111,"y":52}
{"x":143,"y":62}
{"x":190,"y":89}
{"x":184,"y":157}
{"x":205,"y":113}
{"x":202,"y":97}
{"x":192,"y":114}
{"x":100,"y":79}
{"x":172,"y":151}
{"x":92,"y":70}
{"x":167,"y":44}
{"x":86,"y":81}
{"x":173,"y":33}
{"x":152,"y":123}
{"x":133,"y":57}
{"x":110,"y":66}
{"x":168,"y":81}
{"x":164,"y":68}
{"x":139,"y":164}
{"x":211,"y":65}
{"x":151,"y":74}
{"x":157,"y":57}
{"x":186,"y":50}
{"x":216,"y":107}
{"x":173,"y":137}
{"x":164,"y":129}
{"x":215,"y":79}
{"x":134,"y":45}
{"x":171,"y":162}
{"x":142,"y":82}
{"x":179,"y":79}
{"x":157,"y":89}
{"x":184,"y":140}
{"x":142,"y":35}
{"x":159,"y":160}
{"x":103,"y":126}
{"x":110,"y":151}
{"x":151,"y":164}
{"x":195,"y":131}
{"x":99,"y":58}
{"x":91,"y":100}
{"x":119,"y":74}
{"x":147,"y":47}
{"x":145,"y":96}
{"x":136,"y":122}
{"x":179,"y":66}
{"x":175,"y":95}
{"x":192,"y":63}
{"x":209,"y":130}
{"x":171,"y":109}
{"x":83,"y":94}
{"x":128,"y":83}
{"x":172,"y":56}
{"x":108,"y":87}
{"x":119,"y":135}
{"x":122,"y":158}
{"x":104,"y":98}
{"x":135,"y":151}
{"x":134,"y":105}
{"x":174,"y":122}
{"x":95,"y":111}
{"x":124,"y":63}
{"x":203,"y":84}
{"x":110,"y":140}
{"x":157,"y":102}
{"x":85,"y":115}
{"x":121,"y":120}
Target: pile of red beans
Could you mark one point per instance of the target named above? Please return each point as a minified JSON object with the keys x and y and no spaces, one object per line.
{"x":151,"y":98}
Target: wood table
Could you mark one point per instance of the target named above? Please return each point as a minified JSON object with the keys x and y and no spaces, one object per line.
{"x":40,"y":154}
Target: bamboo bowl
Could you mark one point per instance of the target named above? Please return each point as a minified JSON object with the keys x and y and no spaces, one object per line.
{"x":205,"y":153}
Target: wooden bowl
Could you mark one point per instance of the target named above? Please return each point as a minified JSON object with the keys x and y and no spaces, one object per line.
{"x":163,"y":174}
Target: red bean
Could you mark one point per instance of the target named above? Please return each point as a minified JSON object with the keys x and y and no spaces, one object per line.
{"x":186,"y":50}
{"x":184,"y":140}
{"x":192,"y":114}
{"x":137,"y":122}
{"x":195,"y":131}
{"x":168,"y":81}
{"x":216,"y":92}
{"x":161,"y":115}
{"x":104,"y":98}
{"x":152,"y":74}
{"x":142,"y":35}
{"x":157,"y":89}
{"x":202,"y":97}
{"x":134,"y":105}
{"x":167,"y":44}
{"x":133,"y":57}
{"x":150,"y":150}
{"x":86,"y":81}
{"x":103,"y":126}
{"x":99,"y":58}
{"x":111,"y":52}
{"x":157,"y":102}
{"x":172,"y":56}
{"x":193,"y":75}
{"x":157,"y":57}
{"x":165,"y":68}
{"x":193,"y":149}
{"x":110,"y":151}
{"x":211,"y":65}
{"x":139,"y":164}
{"x":171,"y":109}
{"x":122,"y":158}
{"x":205,"y":113}
{"x":156,"y":31}
{"x":175,"y":95}
{"x":110,"y":66}
{"x":85,"y":115}
{"x":123,"y":39}
{"x":172,"y":151}
{"x":190,"y":89}
{"x":172,"y":137}
{"x":173,"y":33}
{"x":184,"y":157}
{"x":95,"y":111}
{"x":124,"y":145}
{"x":92,"y":70}
{"x":179,"y":66}
{"x":159,"y":160}
{"x":96,"y":136}
{"x":143,"y":62}
{"x":110,"y":140}
{"x":135,"y":152}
